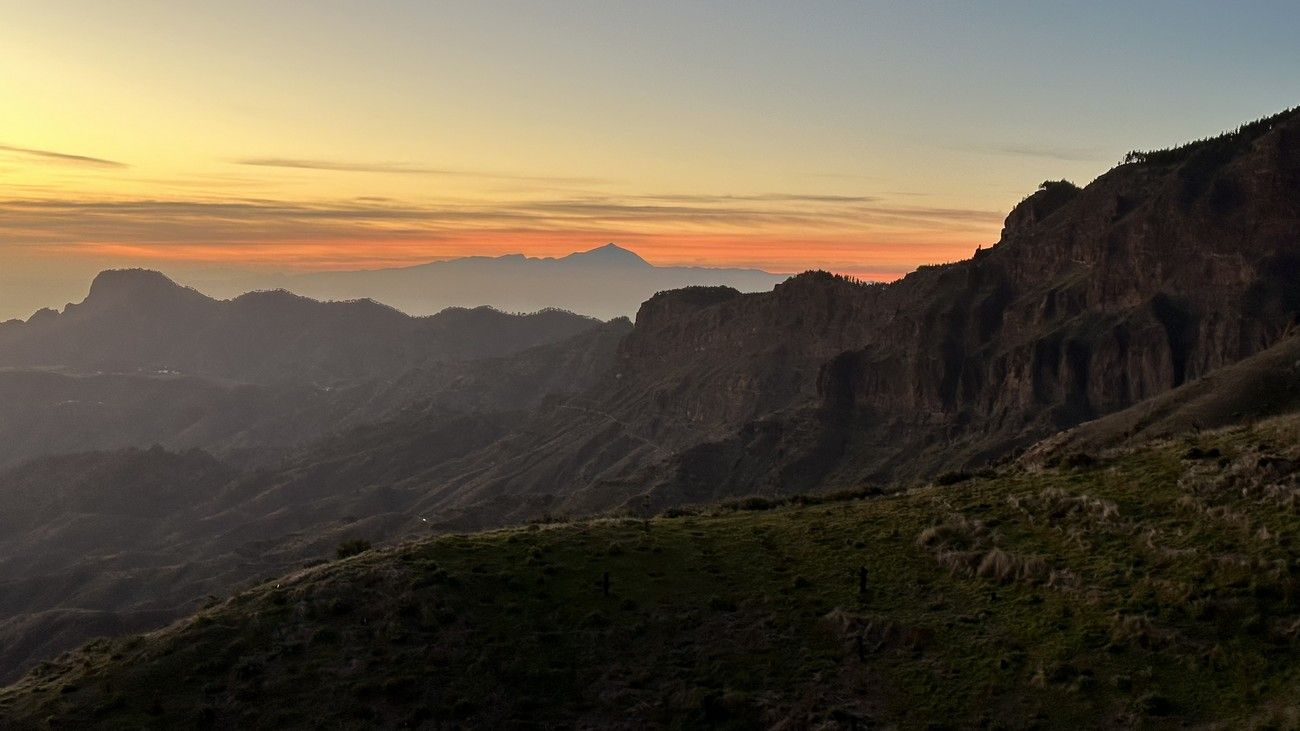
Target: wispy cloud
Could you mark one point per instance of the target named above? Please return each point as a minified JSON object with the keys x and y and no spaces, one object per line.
{"x":764,"y":198}
{"x":779,"y":231}
{"x":61,"y":157}
{"x":342,"y":167}
{"x":39,"y":220}
{"x":394,"y":168}
{"x":842,"y":176}
{"x":1052,"y":152}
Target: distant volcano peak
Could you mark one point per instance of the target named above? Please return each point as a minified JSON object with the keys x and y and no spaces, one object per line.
{"x":610,"y":254}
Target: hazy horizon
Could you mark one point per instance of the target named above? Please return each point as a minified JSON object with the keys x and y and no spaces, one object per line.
{"x":512,"y":282}
{"x":864,"y":139}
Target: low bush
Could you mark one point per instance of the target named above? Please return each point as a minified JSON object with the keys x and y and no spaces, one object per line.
{"x":952,"y":478}
{"x":352,"y":548}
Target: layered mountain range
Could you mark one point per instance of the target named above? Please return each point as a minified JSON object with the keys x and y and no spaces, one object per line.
{"x":1156,"y":273}
{"x":144,"y":361}
{"x":135,"y":320}
{"x":329,"y":421}
{"x":608,"y":281}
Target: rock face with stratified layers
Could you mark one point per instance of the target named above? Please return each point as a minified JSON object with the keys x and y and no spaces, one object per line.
{"x":1160,"y":271}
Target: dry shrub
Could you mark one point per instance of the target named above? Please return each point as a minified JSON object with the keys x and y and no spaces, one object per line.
{"x":996,"y":564}
{"x":1270,"y":479}
{"x":1165,"y":552}
{"x":1004,"y":567}
{"x":1076,"y":537}
{"x":958,"y":532}
{"x":1229,"y":517}
{"x":1055,"y":506}
{"x":1285,"y":630}
{"x":1201,"y":485}
{"x":1220,"y":513}
{"x":877,"y":633}
{"x":1279,"y":716}
{"x":1167,"y":591}
{"x":1138,"y":630}
{"x":1039,"y":679}
{"x":1285,"y":496}
{"x":844,"y":622}
{"x":1063,"y":579}
{"x":959,"y":562}
{"x":961,"y":545}
{"x":1235,"y":568}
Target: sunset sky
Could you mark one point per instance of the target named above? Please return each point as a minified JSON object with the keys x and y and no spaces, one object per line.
{"x":860,"y":137}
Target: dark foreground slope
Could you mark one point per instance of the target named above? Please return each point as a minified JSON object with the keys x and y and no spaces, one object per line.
{"x":1153,"y":588}
{"x":1158,"y":272}
{"x":121,"y":540}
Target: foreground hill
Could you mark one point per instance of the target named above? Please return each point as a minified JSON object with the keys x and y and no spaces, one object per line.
{"x":1149,"y":587}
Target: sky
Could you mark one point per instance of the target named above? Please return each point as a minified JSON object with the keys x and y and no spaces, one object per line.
{"x":860,"y":137}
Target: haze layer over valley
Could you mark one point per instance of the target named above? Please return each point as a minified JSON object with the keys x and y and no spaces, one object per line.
{"x":604,"y":282}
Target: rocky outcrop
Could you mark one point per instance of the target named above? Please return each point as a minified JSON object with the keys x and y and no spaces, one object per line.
{"x":1157,"y":273}
{"x":1262,"y":386}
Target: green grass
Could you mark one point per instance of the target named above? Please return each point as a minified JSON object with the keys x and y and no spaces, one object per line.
{"x":1149,"y":590}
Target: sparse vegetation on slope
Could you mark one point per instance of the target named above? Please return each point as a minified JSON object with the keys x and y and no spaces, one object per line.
{"x":1152,"y":587}
{"x":1223,"y":144}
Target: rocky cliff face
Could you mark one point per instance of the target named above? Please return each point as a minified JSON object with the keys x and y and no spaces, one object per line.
{"x":1155,"y":274}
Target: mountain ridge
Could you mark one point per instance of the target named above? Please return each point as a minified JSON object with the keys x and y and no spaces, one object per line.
{"x":141,"y":320}
{"x":605,"y":282}
{"x":1095,"y":298}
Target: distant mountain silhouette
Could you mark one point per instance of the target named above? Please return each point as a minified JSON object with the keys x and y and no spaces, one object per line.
{"x":143,"y":360}
{"x":605,"y":282}
{"x":610,"y":255}
{"x":135,"y":320}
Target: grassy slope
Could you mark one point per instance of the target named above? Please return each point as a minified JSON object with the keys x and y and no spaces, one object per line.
{"x":1146,"y":589}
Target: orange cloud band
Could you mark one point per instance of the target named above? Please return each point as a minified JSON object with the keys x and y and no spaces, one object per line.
{"x":857,"y":236}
